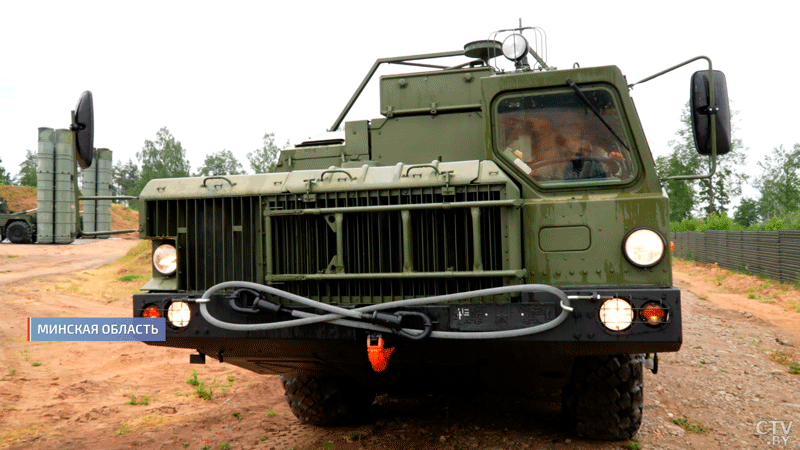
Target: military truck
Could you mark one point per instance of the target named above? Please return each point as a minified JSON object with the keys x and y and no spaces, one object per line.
{"x":495,"y":229}
{"x":18,"y":227}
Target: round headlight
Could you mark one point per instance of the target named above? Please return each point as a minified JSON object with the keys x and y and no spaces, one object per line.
{"x":179,"y":314}
{"x":644,"y":247}
{"x":616,"y":314}
{"x":515,"y":47}
{"x":165,"y":259}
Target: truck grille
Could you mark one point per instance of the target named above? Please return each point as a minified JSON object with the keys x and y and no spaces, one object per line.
{"x":344,"y":247}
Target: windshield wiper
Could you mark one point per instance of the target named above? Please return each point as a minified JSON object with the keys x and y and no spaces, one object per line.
{"x":586,"y":102}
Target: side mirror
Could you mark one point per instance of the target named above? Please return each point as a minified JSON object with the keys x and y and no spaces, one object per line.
{"x":83,"y":126}
{"x":701,"y":113}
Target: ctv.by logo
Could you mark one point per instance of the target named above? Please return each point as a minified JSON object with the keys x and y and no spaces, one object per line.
{"x":777,"y":431}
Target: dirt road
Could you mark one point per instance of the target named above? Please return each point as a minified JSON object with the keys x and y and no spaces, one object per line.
{"x":729,"y":387}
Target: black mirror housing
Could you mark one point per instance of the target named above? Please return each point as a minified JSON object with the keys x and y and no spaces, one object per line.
{"x":83,"y":126}
{"x":701,"y":113}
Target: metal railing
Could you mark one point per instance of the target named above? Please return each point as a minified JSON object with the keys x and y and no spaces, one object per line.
{"x":771,"y":254}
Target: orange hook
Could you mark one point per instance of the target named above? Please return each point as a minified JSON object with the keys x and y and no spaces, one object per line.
{"x":378,"y":356}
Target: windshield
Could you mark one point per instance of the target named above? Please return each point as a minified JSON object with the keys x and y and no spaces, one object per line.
{"x":555,"y":137}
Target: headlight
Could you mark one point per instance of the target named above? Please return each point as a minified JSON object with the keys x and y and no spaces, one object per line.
{"x":616,"y":314}
{"x":179,"y":314}
{"x":644,"y":247}
{"x":515,"y":47}
{"x":165,"y":259}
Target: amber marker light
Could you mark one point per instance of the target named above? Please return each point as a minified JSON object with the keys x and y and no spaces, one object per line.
{"x":151,"y":312}
{"x":653,"y":314}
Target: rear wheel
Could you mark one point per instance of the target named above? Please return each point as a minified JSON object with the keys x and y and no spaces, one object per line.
{"x":19,"y":233}
{"x":326,"y":400}
{"x":604,"y":398}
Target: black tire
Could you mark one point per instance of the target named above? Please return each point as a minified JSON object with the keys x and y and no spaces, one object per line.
{"x":326,"y":400}
{"x":604,"y":397}
{"x":19,"y":233}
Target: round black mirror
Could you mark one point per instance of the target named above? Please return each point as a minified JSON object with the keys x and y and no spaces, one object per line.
{"x":83,"y":126}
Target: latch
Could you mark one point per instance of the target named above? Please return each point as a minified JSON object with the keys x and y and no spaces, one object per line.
{"x":308,"y":197}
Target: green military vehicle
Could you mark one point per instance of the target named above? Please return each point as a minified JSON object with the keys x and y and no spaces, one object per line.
{"x":18,"y":227}
{"x":494,"y":229}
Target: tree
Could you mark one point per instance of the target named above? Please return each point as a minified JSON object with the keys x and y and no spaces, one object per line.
{"x":124,"y":178}
{"x":747,"y":214}
{"x":162,"y":158}
{"x":27,"y":170}
{"x":707,"y":196}
{"x":221,"y":163}
{"x":5,"y":177}
{"x":779,"y":182}
{"x":682,"y":161}
{"x":264,"y":159}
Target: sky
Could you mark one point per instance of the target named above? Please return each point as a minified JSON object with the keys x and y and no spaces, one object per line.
{"x":219,"y":77}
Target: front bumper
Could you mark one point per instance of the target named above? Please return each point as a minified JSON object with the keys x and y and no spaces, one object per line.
{"x":581,"y":333}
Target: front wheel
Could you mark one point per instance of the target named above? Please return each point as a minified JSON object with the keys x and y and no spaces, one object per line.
{"x":604,"y":398}
{"x":326,"y":400}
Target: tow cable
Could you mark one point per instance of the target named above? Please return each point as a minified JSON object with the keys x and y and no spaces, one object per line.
{"x":369,"y":317}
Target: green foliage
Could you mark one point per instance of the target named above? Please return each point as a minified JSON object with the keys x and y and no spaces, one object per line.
{"x":688,"y":425}
{"x":134,"y":401}
{"x":264,"y":159}
{"x":200,"y":388}
{"x":747,"y":214}
{"x":779,"y":182}
{"x":123,"y":430}
{"x":162,"y":158}
{"x":633,"y":445}
{"x":124,"y":178}
{"x":707,"y":196}
{"x":5,"y":177}
{"x":220,"y":163}
{"x":224,"y":446}
{"x":238,"y":415}
{"x":786,"y":221}
{"x":687,"y":224}
{"x":271,"y":413}
{"x":129,"y":277}
{"x":715,"y":222}
{"x":27,"y":170}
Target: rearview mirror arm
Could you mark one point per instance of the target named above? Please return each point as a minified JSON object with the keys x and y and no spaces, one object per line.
{"x":711,"y":111}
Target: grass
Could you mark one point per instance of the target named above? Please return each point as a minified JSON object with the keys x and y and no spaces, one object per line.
{"x":238,"y":415}
{"x":786,"y":358}
{"x":145,"y":400}
{"x":123,"y":430}
{"x":327,"y":445}
{"x":130,"y":278}
{"x":690,"y":425}
{"x":36,"y":364}
{"x":12,"y":371}
{"x":632,"y":445}
{"x":271,"y":413}
{"x":224,"y":446}
{"x":356,"y":436}
{"x":200,"y":389}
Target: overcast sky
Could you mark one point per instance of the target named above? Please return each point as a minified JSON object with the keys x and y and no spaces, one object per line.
{"x":219,"y":77}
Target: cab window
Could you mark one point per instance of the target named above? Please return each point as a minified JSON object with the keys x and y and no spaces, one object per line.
{"x":557,"y":138}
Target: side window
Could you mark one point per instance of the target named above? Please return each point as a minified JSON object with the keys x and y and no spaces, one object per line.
{"x":555,"y":137}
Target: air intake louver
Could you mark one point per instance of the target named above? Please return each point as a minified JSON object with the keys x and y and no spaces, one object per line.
{"x":344,"y":247}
